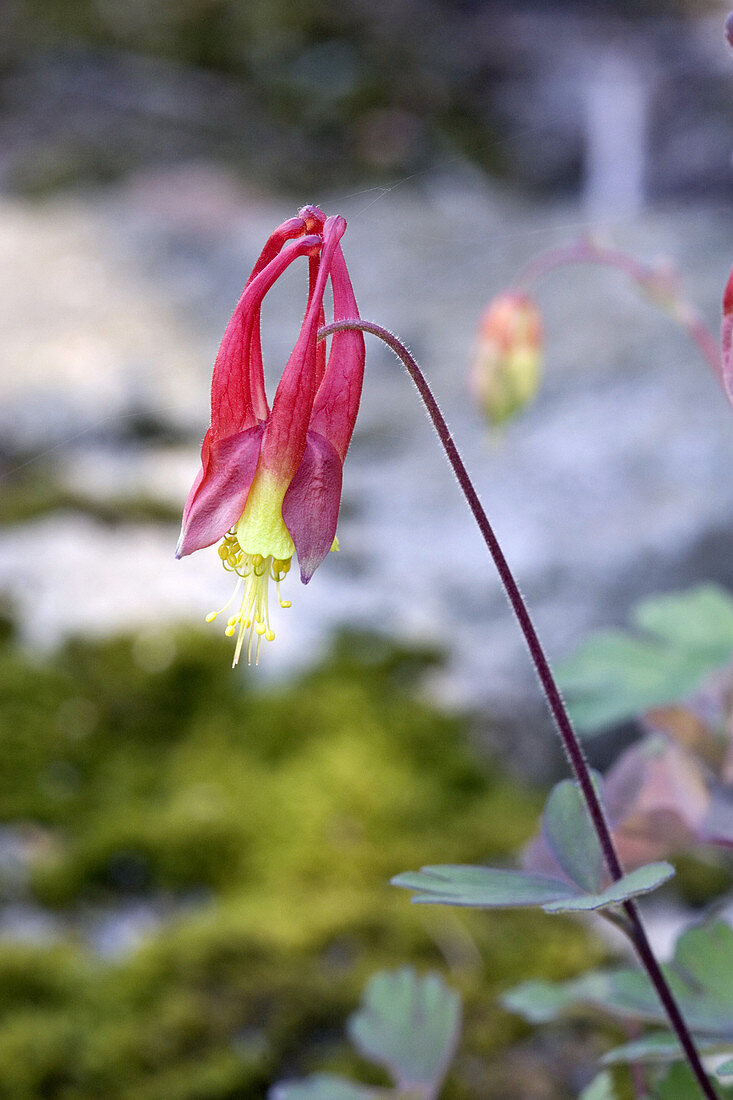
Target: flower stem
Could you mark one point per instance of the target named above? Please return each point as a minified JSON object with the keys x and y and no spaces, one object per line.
{"x":660,"y":283}
{"x":571,"y":743}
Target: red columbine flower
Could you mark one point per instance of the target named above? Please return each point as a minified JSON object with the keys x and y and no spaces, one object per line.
{"x":270,"y":479}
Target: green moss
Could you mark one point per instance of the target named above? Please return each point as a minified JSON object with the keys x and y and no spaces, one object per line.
{"x":269,"y":823}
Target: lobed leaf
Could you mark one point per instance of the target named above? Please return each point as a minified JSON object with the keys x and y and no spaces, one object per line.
{"x":615,"y":675}
{"x":701,"y":619}
{"x":568,"y":831}
{"x":704,"y":956}
{"x":496,"y":888}
{"x":658,"y":1046}
{"x":622,"y":992}
{"x":410,"y":1025}
{"x":541,"y":1002}
{"x":700,"y":976}
{"x":483,"y":887}
{"x":680,"y":1084}
{"x":640,"y":881}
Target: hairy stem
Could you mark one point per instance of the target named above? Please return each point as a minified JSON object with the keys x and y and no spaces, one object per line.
{"x":571,"y":743}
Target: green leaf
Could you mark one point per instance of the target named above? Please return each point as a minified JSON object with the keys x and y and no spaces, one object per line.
{"x":569,"y":833}
{"x":725,"y":1069}
{"x":600,"y":1088}
{"x":659,"y":1046}
{"x":700,"y":976}
{"x":323,"y":1086}
{"x":704,"y":956}
{"x":410,"y":1025}
{"x":495,"y":888}
{"x":678,"y":1083}
{"x":620,"y":992}
{"x":615,"y":676}
{"x":483,"y":887}
{"x":640,"y":881}
{"x":539,"y":1001}
{"x":700,"y":619}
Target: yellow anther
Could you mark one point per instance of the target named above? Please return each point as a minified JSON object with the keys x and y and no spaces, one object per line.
{"x":254,"y":572}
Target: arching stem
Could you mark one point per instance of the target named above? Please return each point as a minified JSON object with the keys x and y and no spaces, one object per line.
{"x":661,"y":284}
{"x":571,"y":743}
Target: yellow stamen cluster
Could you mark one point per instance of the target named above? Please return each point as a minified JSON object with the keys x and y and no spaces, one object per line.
{"x":254,"y":572}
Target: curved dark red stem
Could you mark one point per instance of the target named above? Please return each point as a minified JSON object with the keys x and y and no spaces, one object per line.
{"x":571,"y":743}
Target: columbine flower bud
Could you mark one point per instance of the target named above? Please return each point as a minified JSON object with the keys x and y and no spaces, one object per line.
{"x":507,"y":359}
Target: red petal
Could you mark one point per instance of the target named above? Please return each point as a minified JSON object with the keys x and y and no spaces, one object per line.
{"x":337,"y":400}
{"x":260,"y":407}
{"x":311,"y":505}
{"x":205,"y":452}
{"x":285,"y":435}
{"x":293,"y":227}
{"x":313,"y":265}
{"x":237,"y":394}
{"x":219,"y":493}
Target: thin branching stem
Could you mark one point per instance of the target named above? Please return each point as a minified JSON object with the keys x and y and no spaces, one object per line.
{"x":571,"y":743}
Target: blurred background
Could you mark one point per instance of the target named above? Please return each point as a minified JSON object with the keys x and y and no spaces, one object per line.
{"x":194,"y":861}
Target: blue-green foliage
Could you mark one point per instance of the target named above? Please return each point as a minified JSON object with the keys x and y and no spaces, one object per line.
{"x":678,"y":1083}
{"x":406,"y":1023}
{"x":680,"y":639}
{"x":700,"y":976}
{"x":495,"y":888}
{"x":569,"y":834}
{"x":571,"y":841}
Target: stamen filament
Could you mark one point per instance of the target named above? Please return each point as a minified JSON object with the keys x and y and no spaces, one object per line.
{"x":253,"y":618}
{"x":213,"y":614}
